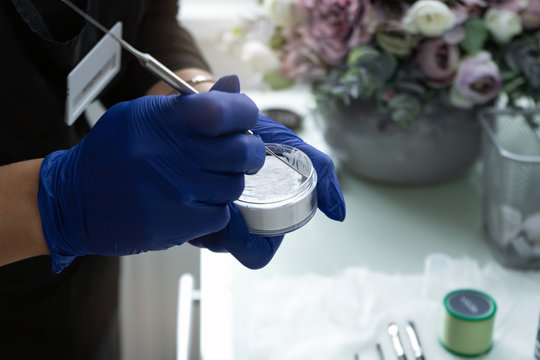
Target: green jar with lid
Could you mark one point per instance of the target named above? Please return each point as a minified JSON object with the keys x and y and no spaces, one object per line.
{"x":469,"y":318}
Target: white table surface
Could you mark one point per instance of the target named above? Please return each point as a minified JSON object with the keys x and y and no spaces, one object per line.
{"x":388,"y":229}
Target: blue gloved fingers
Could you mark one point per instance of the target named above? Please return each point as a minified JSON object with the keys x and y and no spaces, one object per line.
{"x":174,"y":227}
{"x":329,"y":195}
{"x":217,"y":188}
{"x":237,"y":153}
{"x":212,"y":114}
{"x":211,"y":242}
{"x":216,"y":216}
{"x":134,"y":184}
{"x":250,"y":250}
{"x":228,"y":83}
{"x":273,"y":132}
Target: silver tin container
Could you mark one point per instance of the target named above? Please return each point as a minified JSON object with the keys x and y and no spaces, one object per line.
{"x":278,"y":200}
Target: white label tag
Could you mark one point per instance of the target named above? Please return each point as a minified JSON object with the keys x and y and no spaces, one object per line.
{"x":92,"y":74}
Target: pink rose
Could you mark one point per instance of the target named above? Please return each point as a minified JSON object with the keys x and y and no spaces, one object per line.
{"x":300,"y":62}
{"x":512,"y":5}
{"x":333,"y":27}
{"x":439,"y":61}
{"x":530,"y":17}
{"x":473,"y":7}
{"x":462,"y":12}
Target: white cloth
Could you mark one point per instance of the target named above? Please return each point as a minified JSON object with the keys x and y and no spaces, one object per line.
{"x":333,"y":317}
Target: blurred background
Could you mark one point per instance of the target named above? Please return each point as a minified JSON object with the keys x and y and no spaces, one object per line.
{"x":428,"y":109}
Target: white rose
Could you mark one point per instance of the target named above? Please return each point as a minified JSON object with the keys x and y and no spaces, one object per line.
{"x":503,"y":24}
{"x":281,"y":12}
{"x":429,"y":18}
{"x":259,"y":57}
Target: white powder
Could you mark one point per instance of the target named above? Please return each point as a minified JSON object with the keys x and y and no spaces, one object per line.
{"x":275,"y":181}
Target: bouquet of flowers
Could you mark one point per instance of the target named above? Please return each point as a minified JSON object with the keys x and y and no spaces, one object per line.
{"x":397,"y":54}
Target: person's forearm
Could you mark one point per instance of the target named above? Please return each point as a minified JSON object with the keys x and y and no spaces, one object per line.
{"x":161,"y":88}
{"x":21,"y":234}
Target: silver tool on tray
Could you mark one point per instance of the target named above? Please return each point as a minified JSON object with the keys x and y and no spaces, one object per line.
{"x":393,"y":331}
{"x":156,"y":68}
{"x":414,"y":340}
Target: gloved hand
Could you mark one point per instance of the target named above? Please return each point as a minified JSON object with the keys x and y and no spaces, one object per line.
{"x":153,"y":172}
{"x":329,"y":196}
{"x":255,"y":251}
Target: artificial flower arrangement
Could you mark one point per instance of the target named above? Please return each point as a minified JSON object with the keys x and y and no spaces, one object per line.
{"x":397,"y":54}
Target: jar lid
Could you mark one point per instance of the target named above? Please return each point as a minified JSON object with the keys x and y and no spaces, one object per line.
{"x":470,"y":305}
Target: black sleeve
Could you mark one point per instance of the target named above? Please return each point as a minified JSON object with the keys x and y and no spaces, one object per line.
{"x":160,"y":35}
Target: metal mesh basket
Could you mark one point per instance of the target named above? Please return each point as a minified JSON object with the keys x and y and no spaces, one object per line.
{"x":511,"y":160}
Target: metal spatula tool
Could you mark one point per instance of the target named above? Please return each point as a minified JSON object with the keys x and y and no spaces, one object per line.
{"x":147,"y":61}
{"x":156,"y":68}
{"x":410,"y":328}
{"x":393,"y":331}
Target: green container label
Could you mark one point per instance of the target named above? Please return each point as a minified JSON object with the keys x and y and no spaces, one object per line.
{"x":467,"y":326}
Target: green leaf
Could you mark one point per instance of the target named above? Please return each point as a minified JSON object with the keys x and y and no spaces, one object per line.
{"x":509,"y":75}
{"x":514,"y":84}
{"x":361,"y":54}
{"x":476,"y":35}
{"x":404,"y":109}
{"x":387,"y":67}
{"x":277,"y":41}
{"x":276,"y":81}
{"x":403,"y":118}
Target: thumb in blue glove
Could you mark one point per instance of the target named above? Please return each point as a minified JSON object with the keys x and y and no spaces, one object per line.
{"x":153,"y":173}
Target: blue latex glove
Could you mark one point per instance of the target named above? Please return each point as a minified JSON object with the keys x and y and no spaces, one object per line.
{"x":153,"y":173}
{"x":255,"y":251}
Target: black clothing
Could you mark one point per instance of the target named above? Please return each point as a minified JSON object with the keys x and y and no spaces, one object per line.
{"x":71,"y":315}
{"x":52,"y":10}
{"x":38,"y":64}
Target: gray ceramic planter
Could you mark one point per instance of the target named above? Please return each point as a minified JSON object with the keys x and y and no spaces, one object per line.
{"x":442,"y":144}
